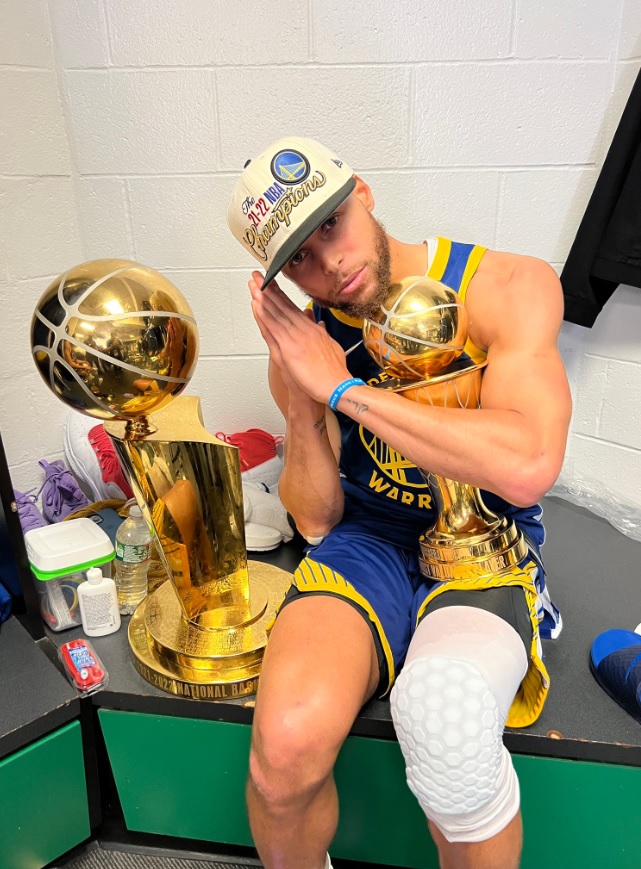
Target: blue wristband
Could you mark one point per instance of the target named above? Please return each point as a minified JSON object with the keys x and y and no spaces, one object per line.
{"x":341,"y":388}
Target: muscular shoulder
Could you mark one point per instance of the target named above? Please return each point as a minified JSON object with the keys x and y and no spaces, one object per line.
{"x":513,"y":298}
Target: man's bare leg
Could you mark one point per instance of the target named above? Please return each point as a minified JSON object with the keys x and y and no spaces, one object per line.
{"x":502,"y":851}
{"x":319,"y":668}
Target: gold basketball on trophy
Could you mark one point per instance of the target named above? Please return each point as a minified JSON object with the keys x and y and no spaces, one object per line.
{"x":419,"y":330}
{"x":114,"y":338}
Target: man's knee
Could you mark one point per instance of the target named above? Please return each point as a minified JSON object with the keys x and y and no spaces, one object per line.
{"x":450,"y":729}
{"x":293,"y":752}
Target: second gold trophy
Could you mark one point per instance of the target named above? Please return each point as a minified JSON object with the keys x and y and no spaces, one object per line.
{"x":418,"y":338}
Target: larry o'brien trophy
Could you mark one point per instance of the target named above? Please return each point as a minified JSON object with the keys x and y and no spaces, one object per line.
{"x":418,"y":338}
{"x":117,"y":341}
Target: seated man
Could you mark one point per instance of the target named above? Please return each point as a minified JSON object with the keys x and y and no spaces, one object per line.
{"x":360,"y":608}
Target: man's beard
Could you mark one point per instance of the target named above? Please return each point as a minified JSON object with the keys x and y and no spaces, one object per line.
{"x":383,"y":281}
{"x":366,"y":308}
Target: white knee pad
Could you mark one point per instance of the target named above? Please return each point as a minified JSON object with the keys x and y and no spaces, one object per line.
{"x":449,"y":723}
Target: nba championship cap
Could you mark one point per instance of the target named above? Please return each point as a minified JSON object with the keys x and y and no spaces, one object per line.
{"x":283,"y":196}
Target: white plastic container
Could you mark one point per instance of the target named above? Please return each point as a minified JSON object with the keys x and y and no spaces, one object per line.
{"x":98,"y":601}
{"x":60,"y":556}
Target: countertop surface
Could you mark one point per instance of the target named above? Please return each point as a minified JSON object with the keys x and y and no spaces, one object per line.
{"x":593,"y":577}
{"x":34,"y":697}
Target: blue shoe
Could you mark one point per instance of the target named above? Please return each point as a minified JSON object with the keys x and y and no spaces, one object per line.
{"x":29,"y":515}
{"x":615,"y":661}
{"x":61,"y":494}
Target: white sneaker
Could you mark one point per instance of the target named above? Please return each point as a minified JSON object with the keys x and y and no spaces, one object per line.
{"x":260,"y":538}
{"x":92,"y":458}
{"x":268,"y":473}
{"x":266,"y":524}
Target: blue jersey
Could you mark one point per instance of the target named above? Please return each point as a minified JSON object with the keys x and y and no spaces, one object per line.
{"x":383,"y":490}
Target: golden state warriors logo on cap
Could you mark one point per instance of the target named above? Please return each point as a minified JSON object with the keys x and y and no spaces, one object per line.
{"x":290,"y":167}
{"x":283,"y":196}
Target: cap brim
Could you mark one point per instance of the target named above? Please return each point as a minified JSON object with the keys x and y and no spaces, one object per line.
{"x":308,"y":226}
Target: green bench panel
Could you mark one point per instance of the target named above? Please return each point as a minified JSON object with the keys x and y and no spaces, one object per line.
{"x":43,"y":800}
{"x":186,"y":777}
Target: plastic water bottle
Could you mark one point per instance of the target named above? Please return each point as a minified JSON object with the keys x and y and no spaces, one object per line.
{"x":131,"y":564}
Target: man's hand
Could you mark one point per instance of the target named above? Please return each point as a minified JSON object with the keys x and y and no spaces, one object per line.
{"x":307,"y":358}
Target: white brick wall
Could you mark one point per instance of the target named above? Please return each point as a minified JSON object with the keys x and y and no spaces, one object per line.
{"x":630,"y":41}
{"x":32,"y":135}
{"x":572,"y":29}
{"x":123,"y":127}
{"x":410,"y":32}
{"x":364,"y":110}
{"x":25,"y":38}
{"x":556,"y":200}
{"x":39,"y":225}
{"x":510,"y":114}
{"x":142,"y":121}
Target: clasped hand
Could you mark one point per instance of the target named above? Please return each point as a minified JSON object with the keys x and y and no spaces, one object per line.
{"x":307,"y":357}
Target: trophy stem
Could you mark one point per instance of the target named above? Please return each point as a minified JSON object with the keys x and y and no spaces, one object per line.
{"x":461,"y":509}
{"x":467,"y":540}
{"x":192,"y":497}
{"x":138,"y":428}
{"x":202,"y":633}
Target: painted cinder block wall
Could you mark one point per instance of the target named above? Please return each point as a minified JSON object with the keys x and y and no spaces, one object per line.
{"x":123,"y":126}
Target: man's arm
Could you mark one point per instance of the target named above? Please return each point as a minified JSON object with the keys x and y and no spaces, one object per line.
{"x":514,"y":445}
{"x":309,"y":486}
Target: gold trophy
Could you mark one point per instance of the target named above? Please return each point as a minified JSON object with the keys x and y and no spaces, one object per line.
{"x":418,"y":338}
{"x":117,"y":341}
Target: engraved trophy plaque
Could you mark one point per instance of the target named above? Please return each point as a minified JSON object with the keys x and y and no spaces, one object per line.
{"x":418,"y":338}
{"x":117,"y":341}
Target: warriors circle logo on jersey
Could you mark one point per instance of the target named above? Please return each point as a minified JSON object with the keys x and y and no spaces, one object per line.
{"x":404,"y":475}
{"x":392,"y":463}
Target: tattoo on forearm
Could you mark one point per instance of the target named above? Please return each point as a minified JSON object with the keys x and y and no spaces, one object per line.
{"x":359,"y":406}
{"x":321,"y":425}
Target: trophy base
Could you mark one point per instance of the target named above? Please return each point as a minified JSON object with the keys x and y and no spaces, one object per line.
{"x":494,"y":551}
{"x":208,"y":664}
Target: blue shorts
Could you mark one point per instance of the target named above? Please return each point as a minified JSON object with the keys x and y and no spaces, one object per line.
{"x":383,"y":581}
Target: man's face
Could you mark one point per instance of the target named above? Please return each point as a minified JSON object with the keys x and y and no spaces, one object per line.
{"x":345,"y":264}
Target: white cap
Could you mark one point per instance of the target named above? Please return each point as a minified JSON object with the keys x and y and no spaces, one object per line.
{"x":283,"y":196}
{"x":94,"y":574}
{"x":135,"y":511}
